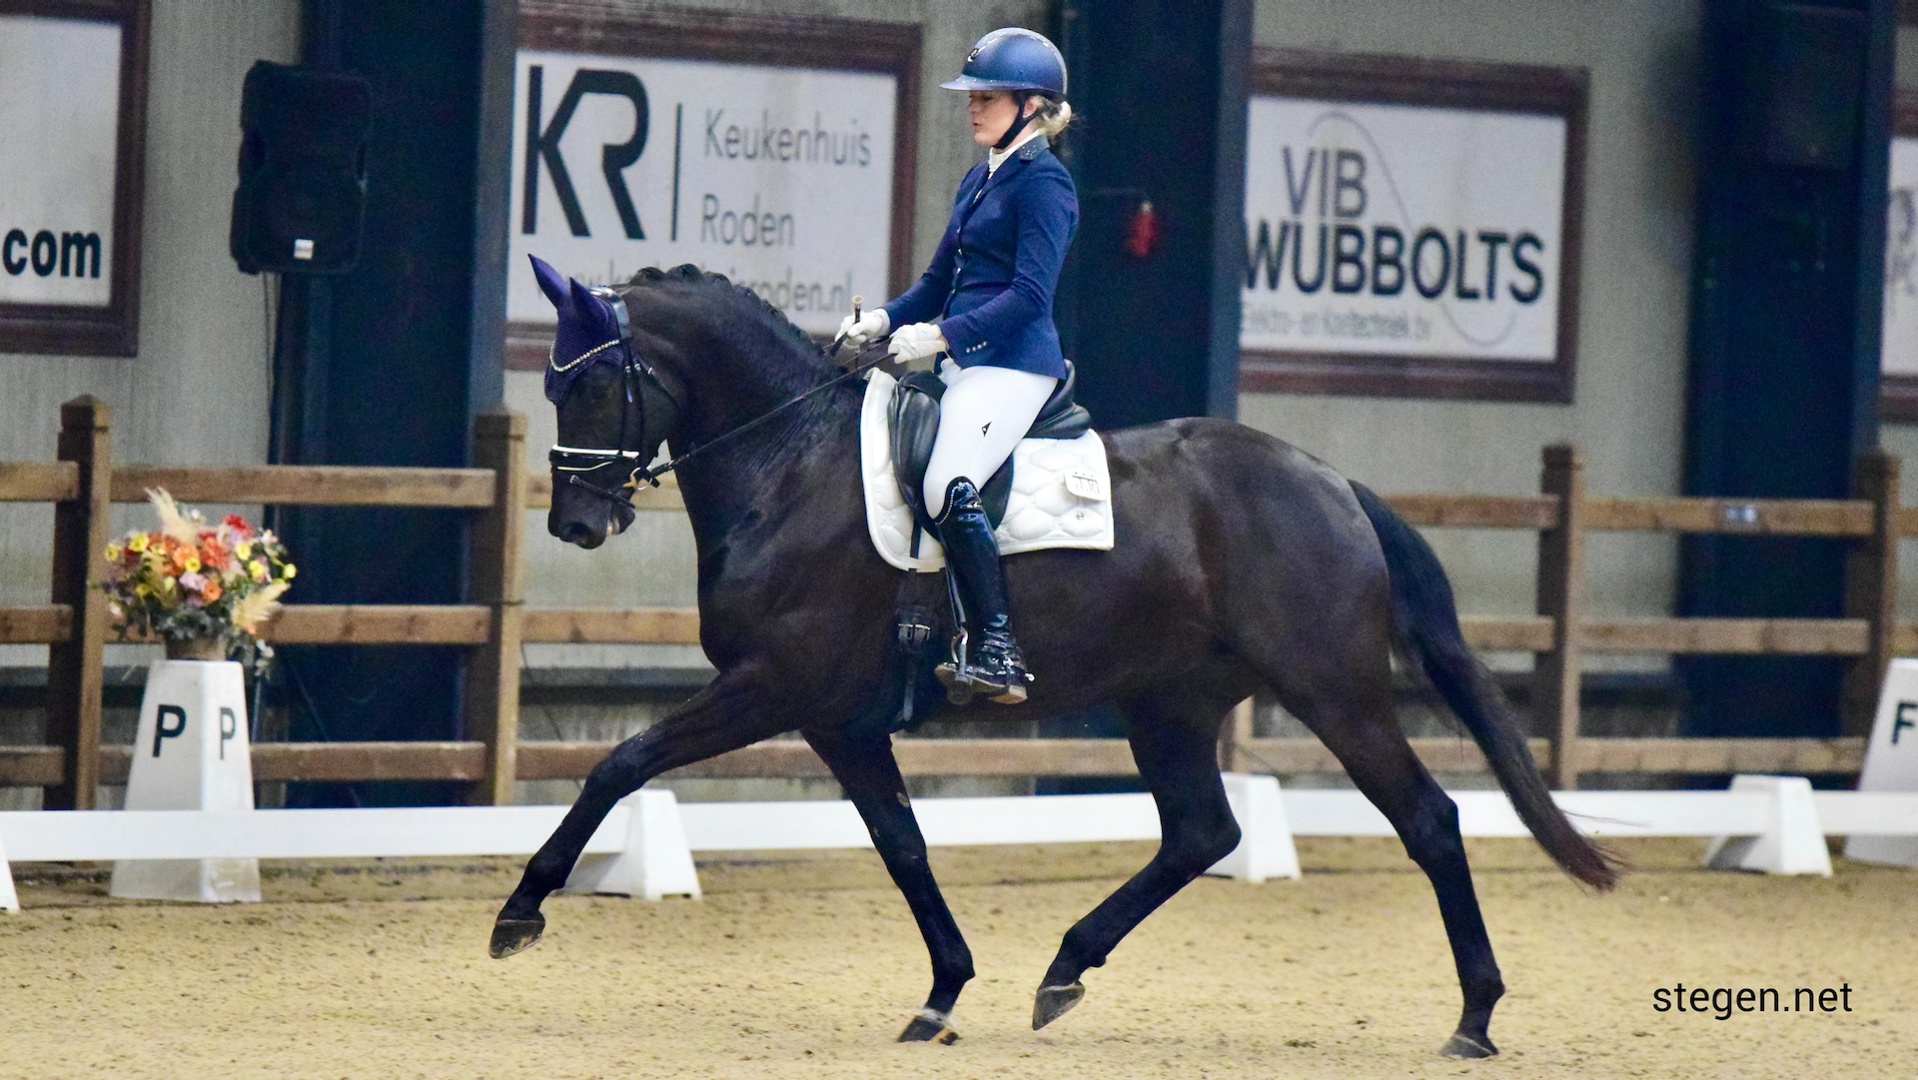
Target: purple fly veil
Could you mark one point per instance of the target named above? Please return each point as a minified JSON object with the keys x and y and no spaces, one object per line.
{"x":587,"y":334}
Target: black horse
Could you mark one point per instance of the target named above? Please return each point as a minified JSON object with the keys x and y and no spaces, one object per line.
{"x":1241,"y":563}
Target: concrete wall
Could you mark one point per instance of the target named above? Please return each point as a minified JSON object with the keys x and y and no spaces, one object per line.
{"x":1634,"y":286}
{"x":197,"y":391}
{"x":653,"y":563}
{"x":1633,"y":290}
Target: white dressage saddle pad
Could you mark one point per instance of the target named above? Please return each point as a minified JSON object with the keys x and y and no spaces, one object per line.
{"x":1061,"y":493}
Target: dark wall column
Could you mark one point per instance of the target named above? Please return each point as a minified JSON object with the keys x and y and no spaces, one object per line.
{"x":1786,"y":309}
{"x":378,"y":368}
{"x":1158,"y":93}
{"x":1160,"y":85}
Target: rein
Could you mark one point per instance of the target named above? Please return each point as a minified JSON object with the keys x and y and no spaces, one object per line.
{"x":860,"y":367}
{"x":568,"y":459}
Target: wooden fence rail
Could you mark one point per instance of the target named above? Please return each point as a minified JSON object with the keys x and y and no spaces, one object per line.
{"x":494,"y":622}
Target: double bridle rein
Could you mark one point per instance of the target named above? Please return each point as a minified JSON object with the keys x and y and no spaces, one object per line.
{"x":579,"y":463}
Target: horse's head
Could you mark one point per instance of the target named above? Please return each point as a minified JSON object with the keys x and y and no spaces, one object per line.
{"x":614,"y":410}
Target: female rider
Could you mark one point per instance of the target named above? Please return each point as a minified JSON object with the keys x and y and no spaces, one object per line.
{"x":984,"y":308}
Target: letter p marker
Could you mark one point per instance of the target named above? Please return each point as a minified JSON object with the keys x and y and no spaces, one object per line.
{"x":162,"y":731}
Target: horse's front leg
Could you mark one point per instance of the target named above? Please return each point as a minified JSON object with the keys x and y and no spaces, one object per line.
{"x":724,"y":716}
{"x":867,"y":770}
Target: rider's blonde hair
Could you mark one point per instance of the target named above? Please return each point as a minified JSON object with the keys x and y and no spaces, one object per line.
{"x":1051,"y":117}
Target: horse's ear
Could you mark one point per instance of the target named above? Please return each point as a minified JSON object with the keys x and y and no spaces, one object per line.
{"x":550,"y":282}
{"x":590,"y":308}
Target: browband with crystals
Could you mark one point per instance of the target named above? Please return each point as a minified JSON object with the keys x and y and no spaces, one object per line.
{"x":552,"y":361}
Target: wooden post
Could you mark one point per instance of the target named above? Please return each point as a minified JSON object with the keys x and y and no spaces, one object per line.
{"x":1233,"y":735}
{"x":74,"y":675}
{"x":1871,"y":587}
{"x":1561,"y":597}
{"x":493,"y":579}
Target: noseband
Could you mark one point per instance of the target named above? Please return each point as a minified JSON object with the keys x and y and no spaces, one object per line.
{"x":580,"y":463}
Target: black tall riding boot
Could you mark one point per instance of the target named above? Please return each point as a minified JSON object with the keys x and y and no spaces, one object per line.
{"x":996,"y":669}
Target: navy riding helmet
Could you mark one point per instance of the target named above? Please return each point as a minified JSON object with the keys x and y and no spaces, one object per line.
{"x":1018,"y":60}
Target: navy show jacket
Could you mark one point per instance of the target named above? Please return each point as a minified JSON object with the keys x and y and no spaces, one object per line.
{"x":991,"y":281}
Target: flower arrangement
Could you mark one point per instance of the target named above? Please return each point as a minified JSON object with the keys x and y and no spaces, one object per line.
{"x":205,"y":589}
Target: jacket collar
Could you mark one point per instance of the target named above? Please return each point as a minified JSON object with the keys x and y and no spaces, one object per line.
{"x":996,"y":158}
{"x":1017,"y":160}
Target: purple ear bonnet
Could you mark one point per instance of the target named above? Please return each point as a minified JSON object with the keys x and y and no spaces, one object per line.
{"x":588,"y":333}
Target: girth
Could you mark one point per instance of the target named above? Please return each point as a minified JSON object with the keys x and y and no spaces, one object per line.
{"x":914,"y":426}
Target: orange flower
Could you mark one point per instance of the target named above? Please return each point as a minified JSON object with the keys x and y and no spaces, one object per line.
{"x":211,"y":590}
{"x":213,"y":553}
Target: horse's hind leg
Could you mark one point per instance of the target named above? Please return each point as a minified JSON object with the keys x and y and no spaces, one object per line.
{"x":719,"y":718}
{"x":1349,"y":706}
{"x":869,"y":773}
{"x":1174,"y":735}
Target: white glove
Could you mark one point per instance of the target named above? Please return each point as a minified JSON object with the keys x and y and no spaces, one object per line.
{"x":918,"y":340}
{"x":873,"y":324}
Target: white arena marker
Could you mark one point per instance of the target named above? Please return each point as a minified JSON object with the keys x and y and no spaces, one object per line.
{"x":9,"y":900}
{"x":191,"y":753}
{"x":656,"y":861}
{"x":1891,"y":762}
{"x":1265,"y":848}
{"x":1792,"y":843}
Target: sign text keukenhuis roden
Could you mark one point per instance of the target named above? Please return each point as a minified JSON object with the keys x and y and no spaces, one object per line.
{"x":781,"y":178}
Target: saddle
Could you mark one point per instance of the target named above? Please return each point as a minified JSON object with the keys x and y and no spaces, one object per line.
{"x":913,"y":417}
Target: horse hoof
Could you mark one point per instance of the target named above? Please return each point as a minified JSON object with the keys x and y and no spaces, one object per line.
{"x":1461,"y":1045}
{"x":930,"y":1026}
{"x":1053,"y":1002}
{"x":515,"y":935}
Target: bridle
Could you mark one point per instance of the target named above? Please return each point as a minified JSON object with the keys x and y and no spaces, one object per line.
{"x":579,"y":463}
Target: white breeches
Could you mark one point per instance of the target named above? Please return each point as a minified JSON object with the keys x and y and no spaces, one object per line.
{"x":983,"y":414}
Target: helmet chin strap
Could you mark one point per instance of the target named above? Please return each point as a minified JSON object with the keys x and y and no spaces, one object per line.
{"x":1019,"y":99}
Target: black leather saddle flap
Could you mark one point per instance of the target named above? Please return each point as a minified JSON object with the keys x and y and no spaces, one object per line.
{"x":914,"y":426}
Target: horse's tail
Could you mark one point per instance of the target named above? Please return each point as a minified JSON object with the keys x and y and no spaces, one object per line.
{"x":1429,"y":637}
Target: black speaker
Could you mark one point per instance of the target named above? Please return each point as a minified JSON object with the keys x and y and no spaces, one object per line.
{"x":1805,"y":75}
{"x":302,"y":190}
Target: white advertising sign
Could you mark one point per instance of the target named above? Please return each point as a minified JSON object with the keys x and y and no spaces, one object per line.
{"x":1402,"y":230}
{"x":59,"y":121}
{"x":1900,"y":343}
{"x":781,"y":178}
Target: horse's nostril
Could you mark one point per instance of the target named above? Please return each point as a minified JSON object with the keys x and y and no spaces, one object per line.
{"x":574,"y":532}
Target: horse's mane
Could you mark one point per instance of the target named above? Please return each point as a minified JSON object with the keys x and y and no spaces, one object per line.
{"x":720,"y":284}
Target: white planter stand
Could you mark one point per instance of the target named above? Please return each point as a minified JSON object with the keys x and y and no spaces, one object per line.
{"x":191,"y":753}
